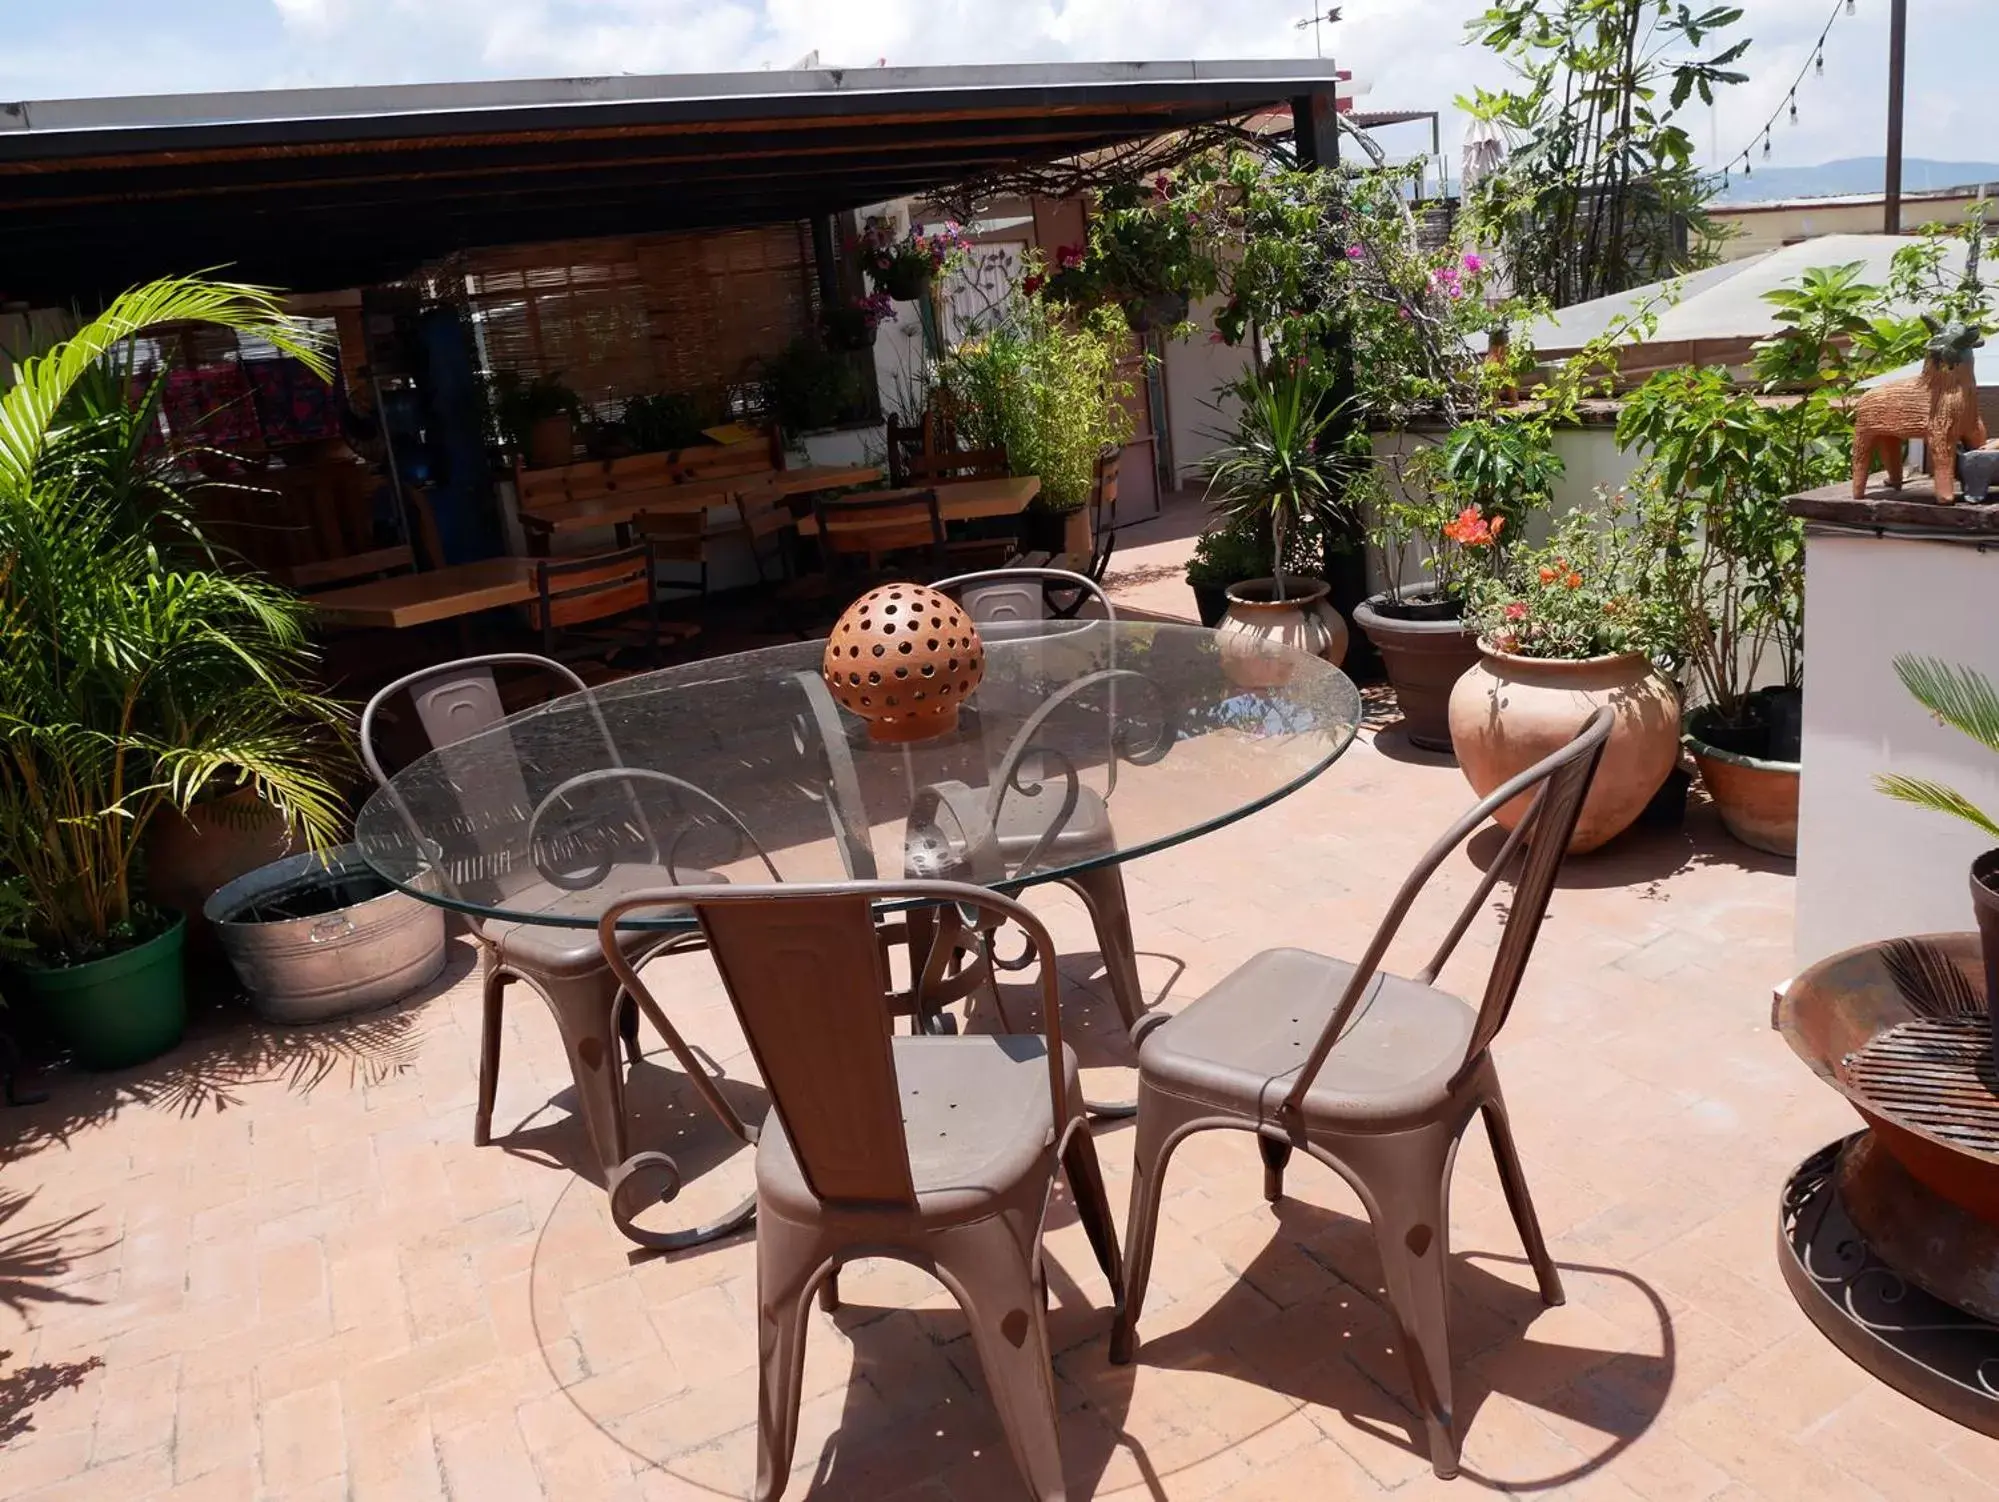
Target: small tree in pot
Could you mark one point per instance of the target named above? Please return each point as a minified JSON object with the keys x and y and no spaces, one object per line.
{"x":1966,"y":701}
{"x":1272,"y":473}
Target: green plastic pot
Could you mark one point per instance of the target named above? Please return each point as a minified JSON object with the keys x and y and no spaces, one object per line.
{"x":121,"y":1010}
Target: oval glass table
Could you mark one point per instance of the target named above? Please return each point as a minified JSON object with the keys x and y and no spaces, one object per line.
{"x":1086,"y":744}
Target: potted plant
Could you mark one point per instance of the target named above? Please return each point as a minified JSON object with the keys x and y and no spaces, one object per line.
{"x":1966,"y":701}
{"x":1564,"y":630}
{"x":1727,"y":556}
{"x":1047,"y":391}
{"x":809,"y":388}
{"x":537,"y":417}
{"x":902,"y":267}
{"x":1151,"y":251}
{"x":1226,"y":554}
{"x":1271,"y":473}
{"x":851,"y":326}
{"x":138,"y":670}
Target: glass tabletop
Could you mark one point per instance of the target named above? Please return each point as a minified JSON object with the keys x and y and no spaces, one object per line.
{"x":1086,"y":743}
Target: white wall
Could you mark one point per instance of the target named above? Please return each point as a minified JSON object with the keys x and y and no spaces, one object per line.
{"x":1195,"y":370}
{"x":1870,"y":868}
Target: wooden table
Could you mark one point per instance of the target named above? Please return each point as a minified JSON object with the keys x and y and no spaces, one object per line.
{"x":418,"y":599}
{"x":700,"y":495}
{"x":960,"y":500}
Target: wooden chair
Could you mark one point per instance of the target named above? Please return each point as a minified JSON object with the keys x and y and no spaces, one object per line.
{"x":873,"y":527}
{"x":956,"y":464}
{"x":604,"y":592}
{"x":934,"y":432}
{"x":684,"y":537}
{"x":936,"y":1151}
{"x":1375,"y":1076}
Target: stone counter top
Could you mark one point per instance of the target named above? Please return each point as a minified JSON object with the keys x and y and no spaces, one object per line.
{"x":1912,"y":509}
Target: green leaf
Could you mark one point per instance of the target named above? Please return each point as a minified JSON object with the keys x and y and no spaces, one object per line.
{"x":1937,"y":798}
{"x":1960,"y":697}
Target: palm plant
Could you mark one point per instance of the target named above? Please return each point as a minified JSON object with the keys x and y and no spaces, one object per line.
{"x":1964,"y":700}
{"x":1270,"y":473}
{"x":137,"y":667}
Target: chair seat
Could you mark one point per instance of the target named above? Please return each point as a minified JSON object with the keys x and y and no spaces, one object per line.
{"x":569,"y":951}
{"x":1240,"y":1046}
{"x":1024,"y":816}
{"x":975,"y":1115}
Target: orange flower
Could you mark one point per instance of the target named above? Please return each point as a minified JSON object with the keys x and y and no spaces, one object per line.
{"x":1547,"y":576}
{"x":1471,"y":530}
{"x":1574,"y":580}
{"x":1498,"y":525}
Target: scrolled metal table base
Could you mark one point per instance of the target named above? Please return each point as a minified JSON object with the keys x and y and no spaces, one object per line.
{"x":652,"y":1178}
{"x":1940,"y":1355}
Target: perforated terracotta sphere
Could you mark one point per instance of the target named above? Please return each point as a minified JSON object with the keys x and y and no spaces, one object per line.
{"x":904,"y":658}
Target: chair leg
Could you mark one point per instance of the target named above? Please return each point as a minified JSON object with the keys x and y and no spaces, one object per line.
{"x":993,"y":1274}
{"x":628,"y":1031}
{"x":1514,"y":1182}
{"x":583,"y":1007}
{"x":1275,"y":1155}
{"x":493,"y":1000}
{"x":829,"y":1291}
{"x":1157,"y":1120}
{"x":1102,"y":891}
{"x":787,"y":1257}
{"x":1086,"y":1188}
{"x":1406,"y":1177}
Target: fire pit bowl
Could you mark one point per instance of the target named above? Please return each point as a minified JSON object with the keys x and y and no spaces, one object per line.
{"x":1890,"y":1239}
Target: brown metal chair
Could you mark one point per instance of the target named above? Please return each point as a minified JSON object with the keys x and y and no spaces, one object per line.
{"x":453,"y":702}
{"x":940,"y":1152}
{"x":1374,"y":1075}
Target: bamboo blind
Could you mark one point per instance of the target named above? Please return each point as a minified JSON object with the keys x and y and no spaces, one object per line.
{"x":621,"y":317}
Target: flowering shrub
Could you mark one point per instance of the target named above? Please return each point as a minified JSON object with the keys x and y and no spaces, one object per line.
{"x":891,"y":260}
{"x":1145,"y":239}
{"x":1457,"y":543}
{"x":1582,"y":595}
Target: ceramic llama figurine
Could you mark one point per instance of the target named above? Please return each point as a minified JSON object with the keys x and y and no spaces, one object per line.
{"x":1940,"y":406}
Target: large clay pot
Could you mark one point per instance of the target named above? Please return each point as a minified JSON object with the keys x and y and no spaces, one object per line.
{"x":551,"y":441}
{"x":1424,"y":658}
{"x":1756,"y":798}
{"x":1508,"y":712}
{"x":1258,"y":627}
{"x":189,"y":857}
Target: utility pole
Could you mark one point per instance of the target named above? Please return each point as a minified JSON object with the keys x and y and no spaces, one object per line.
{"x":1898,"y":30}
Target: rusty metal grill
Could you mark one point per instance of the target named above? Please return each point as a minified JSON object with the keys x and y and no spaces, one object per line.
{"x":1934,"y":1074}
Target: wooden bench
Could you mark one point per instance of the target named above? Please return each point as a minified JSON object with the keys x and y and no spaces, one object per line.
{"x":571,"y":495}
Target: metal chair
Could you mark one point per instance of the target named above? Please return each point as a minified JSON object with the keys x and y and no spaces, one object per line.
{"x":940,"y":1152}
{"x":1374,"y":1075}
{"x":455,"y":701}
{"x":1020,"y":594}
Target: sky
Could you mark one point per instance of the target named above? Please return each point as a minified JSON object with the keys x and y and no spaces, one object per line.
{"x":1408,"y":51}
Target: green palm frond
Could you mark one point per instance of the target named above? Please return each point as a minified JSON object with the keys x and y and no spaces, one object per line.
{"x":1961,"y":698}
{"x":1937,"y":798}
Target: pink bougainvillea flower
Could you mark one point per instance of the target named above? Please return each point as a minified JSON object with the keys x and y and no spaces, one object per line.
{"x":1474,"y":262}
{"x":1355,"y":252}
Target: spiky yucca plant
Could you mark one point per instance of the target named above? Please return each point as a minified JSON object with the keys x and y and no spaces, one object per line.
{"x":1964,"y":700}
{"x":138,"y":665}
{"x":1270,"y":473}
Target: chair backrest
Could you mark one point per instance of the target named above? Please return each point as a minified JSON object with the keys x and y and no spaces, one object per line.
{"x":955,"y":464}
{"x":1017,"y":594}
{"x":1558,"y":784}
{"x":865,"y":524}
{"x":376,"y":564}
{"x":804,"y":969}
{"x":455,"y":701}
{"x":1103,"y":494}
{"x":575,"y":591}
{"x":675,"y":536}
{"x":905,"y":442}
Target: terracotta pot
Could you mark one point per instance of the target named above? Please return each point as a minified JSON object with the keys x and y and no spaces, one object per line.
{"x":1985,"y":903}
{"x":551,"y":441}
{"x":189,"y":857}
{"x":1756,"y":798}
{"x":1076,"y":539}
{"x":1257,"y":626}
{"x":1508,"y":712}
{"x":1424,"y":660}
{"x":1156,"y":310}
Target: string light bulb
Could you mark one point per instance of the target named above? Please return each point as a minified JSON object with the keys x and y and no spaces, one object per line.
{"x":1766,"y":142}
{"x":1849,"y":7}
{"x":1818,"y":64}
{"x":1794,"y":109}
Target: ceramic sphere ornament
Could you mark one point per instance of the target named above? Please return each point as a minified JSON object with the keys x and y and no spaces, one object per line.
{"x":903,"y":658}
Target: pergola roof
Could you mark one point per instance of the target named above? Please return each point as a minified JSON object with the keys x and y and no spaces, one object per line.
{"x":322,"y":188}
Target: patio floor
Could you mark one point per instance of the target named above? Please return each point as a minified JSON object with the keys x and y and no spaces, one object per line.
{"x":273,"y":1265}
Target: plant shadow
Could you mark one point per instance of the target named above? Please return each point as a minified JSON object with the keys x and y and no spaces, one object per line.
{"x":227,"y":1052}
{"x":24,"y":1388}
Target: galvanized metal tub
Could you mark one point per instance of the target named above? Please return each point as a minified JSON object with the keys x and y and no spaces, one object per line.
{"x":312,"y":939}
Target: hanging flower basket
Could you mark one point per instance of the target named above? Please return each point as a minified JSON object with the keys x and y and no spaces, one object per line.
{"x":903,"y":268}
{"x":905,"y":281}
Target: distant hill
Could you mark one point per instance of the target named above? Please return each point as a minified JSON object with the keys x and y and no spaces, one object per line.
{"x":1859,"y":174}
